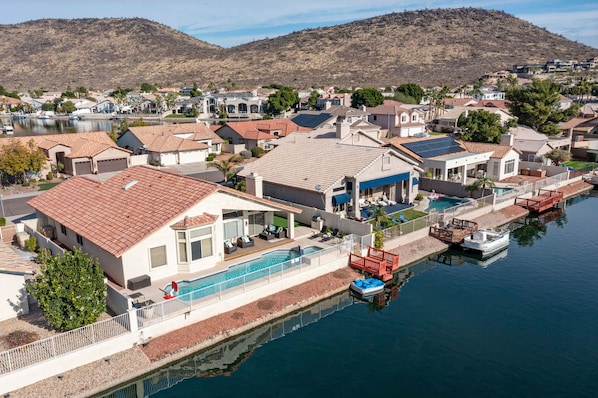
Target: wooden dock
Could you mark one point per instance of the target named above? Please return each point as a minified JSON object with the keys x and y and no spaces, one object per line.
{"x":545,"y":200}
{"x":455,"y":231}
{"x":378,"y":263}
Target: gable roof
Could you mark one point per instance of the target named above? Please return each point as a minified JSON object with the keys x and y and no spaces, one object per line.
{"x":81,"y":144}
{"x":498,"y":151}
{"x":196,"y":132}
{"x":427,"y":147}
{"x":265,"y":129}
{"x":313,"y":161}
{"x":115,"y":218}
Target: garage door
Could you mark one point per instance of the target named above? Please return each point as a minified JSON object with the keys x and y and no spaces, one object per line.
{"x":82,"y":168}
{"x":108,"y":165}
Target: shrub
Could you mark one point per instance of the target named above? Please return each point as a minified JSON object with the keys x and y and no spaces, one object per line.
{"x":20,"y":337}
{"x":42,"y":179}
{"x":32,"y":181}
{"x":50,"y":176}
{"x":2,"y":221}
{"x":419,"y":196}
{"x":245,"y":154}
{"x":25,"y":184}
{"x":379,"y":239}
{"x":211,"y":157}
{"x":256,"y":151}
{"x":31,"y":244}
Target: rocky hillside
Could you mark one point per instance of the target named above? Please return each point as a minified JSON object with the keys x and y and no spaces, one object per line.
{"x":431,"y":47}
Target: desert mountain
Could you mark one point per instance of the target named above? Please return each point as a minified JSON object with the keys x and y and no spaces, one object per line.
{"x":429,"y":47}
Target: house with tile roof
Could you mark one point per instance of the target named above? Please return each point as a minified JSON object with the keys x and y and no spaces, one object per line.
{"x":399,"y":120}
{"x":534,"y":145}
{"x":170,"y":144}
{"x":444,"y":158}
{"x":256,"y":133}
{"x":14,"y":271}
{"x":335,"y":171}
{"x":150,"y":223}
{"x":80,"y":153}
{"x":450,"y":118}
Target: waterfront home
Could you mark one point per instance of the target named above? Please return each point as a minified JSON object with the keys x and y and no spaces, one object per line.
{"x":256,"y":133}
{"x":328,"y":118}
{"x":399,"y":120}
{"x":145,"y":224}
{"x":446,"y":159}
{"x":584,"y":137}
{"x":337,"y":171}
{"x":534,"y":145}
{"x":171,"y":144}
{"x":13,"y":273}
{"x":81,"y":153}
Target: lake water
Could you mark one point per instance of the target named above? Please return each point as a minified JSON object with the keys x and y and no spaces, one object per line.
{"x":525,"y":325}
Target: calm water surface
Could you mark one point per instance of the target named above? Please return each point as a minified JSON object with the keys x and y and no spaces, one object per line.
{"x":523,"y":326}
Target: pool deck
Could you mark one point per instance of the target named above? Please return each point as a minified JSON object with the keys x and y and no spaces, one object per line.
{"x":155,"y":292}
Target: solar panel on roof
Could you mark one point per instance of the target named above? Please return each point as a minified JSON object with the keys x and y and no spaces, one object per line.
{"x":311,"y":120}
{"x":433,"y":148}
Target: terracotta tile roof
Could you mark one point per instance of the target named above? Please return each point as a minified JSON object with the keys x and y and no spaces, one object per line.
{"x":69,"y":140}
{"x":191,"y":131}
{"x":580,"y":124}
{"x":115,"y":218}
{"x":459,"y":101}
{"x":502,"y":104}
{"x":171,"y":143}
{"x":87,"y":148}
{"x":249,"y":129}
{"x":190,"y":222}
{"x":498,"y":151}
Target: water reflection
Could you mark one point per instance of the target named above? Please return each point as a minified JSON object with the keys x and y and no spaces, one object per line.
{"x":24,"y":127}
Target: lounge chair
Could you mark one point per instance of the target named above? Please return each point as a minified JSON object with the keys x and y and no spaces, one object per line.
{"x":229,"y":247}
{"x":402,"y":217}
{"x":319,"y":234}
{"x":330,"y":235}
{"x":280,"y":233}
{"x":245,"y":241}
{"x":394,"y":220}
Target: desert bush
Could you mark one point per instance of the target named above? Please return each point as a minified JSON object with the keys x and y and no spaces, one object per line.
{"x":245,"y":154}
{"x":256,"y":151}
{"x":20,"y":337}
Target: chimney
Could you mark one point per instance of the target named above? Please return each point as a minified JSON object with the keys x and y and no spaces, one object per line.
{"x":343,"y":128}
{"x":254,"y":184}
{"x":327,"y":105}
{"x":507,"y":139}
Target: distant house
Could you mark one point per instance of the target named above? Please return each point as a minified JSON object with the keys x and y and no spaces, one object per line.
{"x":172,"y":144}
{"x":450,"y":118}
{"x":533,"y":145}
{"x":328,"y":118}
{"x":486,"y":93}
{"x":256,"y":133}
{"x":330,"y":99}
{"x":584,"y":137}
{"x":7,"y":104}
{"x":335,"y":171}
{"x":400,"y":121}
{"x":152,"y":224}
{"x":81,"y":153}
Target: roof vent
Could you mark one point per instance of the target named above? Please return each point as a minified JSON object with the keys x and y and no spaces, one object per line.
{"x":129,"y":184}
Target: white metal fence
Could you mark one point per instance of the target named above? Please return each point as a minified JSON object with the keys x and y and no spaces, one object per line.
{"x":42,"y":350}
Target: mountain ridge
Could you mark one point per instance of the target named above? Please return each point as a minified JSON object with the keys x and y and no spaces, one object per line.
{"x":428,"y":47}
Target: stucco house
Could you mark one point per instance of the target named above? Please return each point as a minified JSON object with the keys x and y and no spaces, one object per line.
{"x":172,"y":144}
{"x":533,"y":145}
{"x":80,"y":153}
{"x":450,"y":118}
{"x":448,"y":159}
{"x":256,"y":133}
{"x":152,"y":224}
{"x":399,"y":120}
{"x":13,"y":273}
{"x":335,"y":170}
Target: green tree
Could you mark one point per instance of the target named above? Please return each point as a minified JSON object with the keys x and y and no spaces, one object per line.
{"x":559,"y":156}
{"x":48,"y":106}
{"x":481,"y":126}
{"x":282,"y":100}
{"x":313,"y":99}
{"x":70,"y":289}
{"x":584,"y":86}
{"x":226,"y":166}
{"x":411,"y":90}
{"x":17,"y":158}
{"x":538,"y":106}
{"x":147,"y":88}
{"x":171,"y":99}
{"x":436,"y":98}
{"x":68,"y":107}
{"x":196,"y":92}
{"x":369,"y":97}
{"x":81,"y":91}
{"x":378,"y":239}
{"x":480,"y":184}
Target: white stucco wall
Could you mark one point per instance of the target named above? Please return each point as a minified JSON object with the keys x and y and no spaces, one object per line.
{"x":13,"y":297}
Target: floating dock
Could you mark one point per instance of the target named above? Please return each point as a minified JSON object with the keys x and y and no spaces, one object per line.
{"x":546,"y":199}
{"x":454,"y":231}
{"x":378,"y":263}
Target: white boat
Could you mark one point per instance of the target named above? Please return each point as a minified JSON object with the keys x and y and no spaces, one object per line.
{"x":8,"y":129}
{"x":486,"y":241}
{"x":368,"y":286}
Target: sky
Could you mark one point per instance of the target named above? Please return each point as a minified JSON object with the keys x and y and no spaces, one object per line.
{"x":228,"y":23}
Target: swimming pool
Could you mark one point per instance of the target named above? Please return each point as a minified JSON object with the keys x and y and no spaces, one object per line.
{"x":266,"y":264}
{"x":498,"y":191}
{"x":443,"y":203}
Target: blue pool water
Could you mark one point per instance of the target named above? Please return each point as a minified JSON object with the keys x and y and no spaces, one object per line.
{"x":501,"y":191}
{"x":443,"y":203}
{"x":268,"y":263}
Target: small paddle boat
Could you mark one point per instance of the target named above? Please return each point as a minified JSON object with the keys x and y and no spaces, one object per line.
{"x":368,"y":286}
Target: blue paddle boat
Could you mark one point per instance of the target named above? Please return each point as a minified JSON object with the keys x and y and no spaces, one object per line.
{"x":367,"y":287}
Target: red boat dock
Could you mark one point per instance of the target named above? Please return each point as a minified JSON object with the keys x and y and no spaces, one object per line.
{"x":378,"y":263}
{"x":545,"y":200}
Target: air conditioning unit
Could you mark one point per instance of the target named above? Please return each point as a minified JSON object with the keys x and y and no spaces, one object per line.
{"x":48,"y":231}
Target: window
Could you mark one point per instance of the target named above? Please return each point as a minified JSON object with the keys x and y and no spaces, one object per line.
{"x":403,"y":118}
{"x":80,"y":239}
{"x":233,"y":228}
{"x":414,"y":117}
{"x":386,"y":162}
{"x":182,"y":245}
{"x":157,"y":256}
{"x":194,"y":244}
{"x":509,"y":166}
{"x":375,"y":118}
{"x":63,"y":229}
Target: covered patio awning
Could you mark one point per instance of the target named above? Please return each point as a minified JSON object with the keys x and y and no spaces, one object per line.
{"x":341,"y":198}
{"x":378,"y":182}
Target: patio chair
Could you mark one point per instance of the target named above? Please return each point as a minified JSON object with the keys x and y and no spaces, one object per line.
{"x":280,"y":233}
{"x":229,"y":247}
{"x":268,"y":233}
{"x":394,"y":220}
{"x":245,"y":241}
{"x":402,"y":217}
{"x":319,"y":234}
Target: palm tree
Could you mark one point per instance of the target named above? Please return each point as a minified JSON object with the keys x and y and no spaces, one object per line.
{"x":226,"y":166}
{"x":480,"y":183}
{"x":379,"y":214}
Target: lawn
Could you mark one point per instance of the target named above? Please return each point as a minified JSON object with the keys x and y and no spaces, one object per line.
{"x":409,"y":214}
{"x":47,"y":185}
{"x":580,"y":165}
{"x":283,"y":222}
